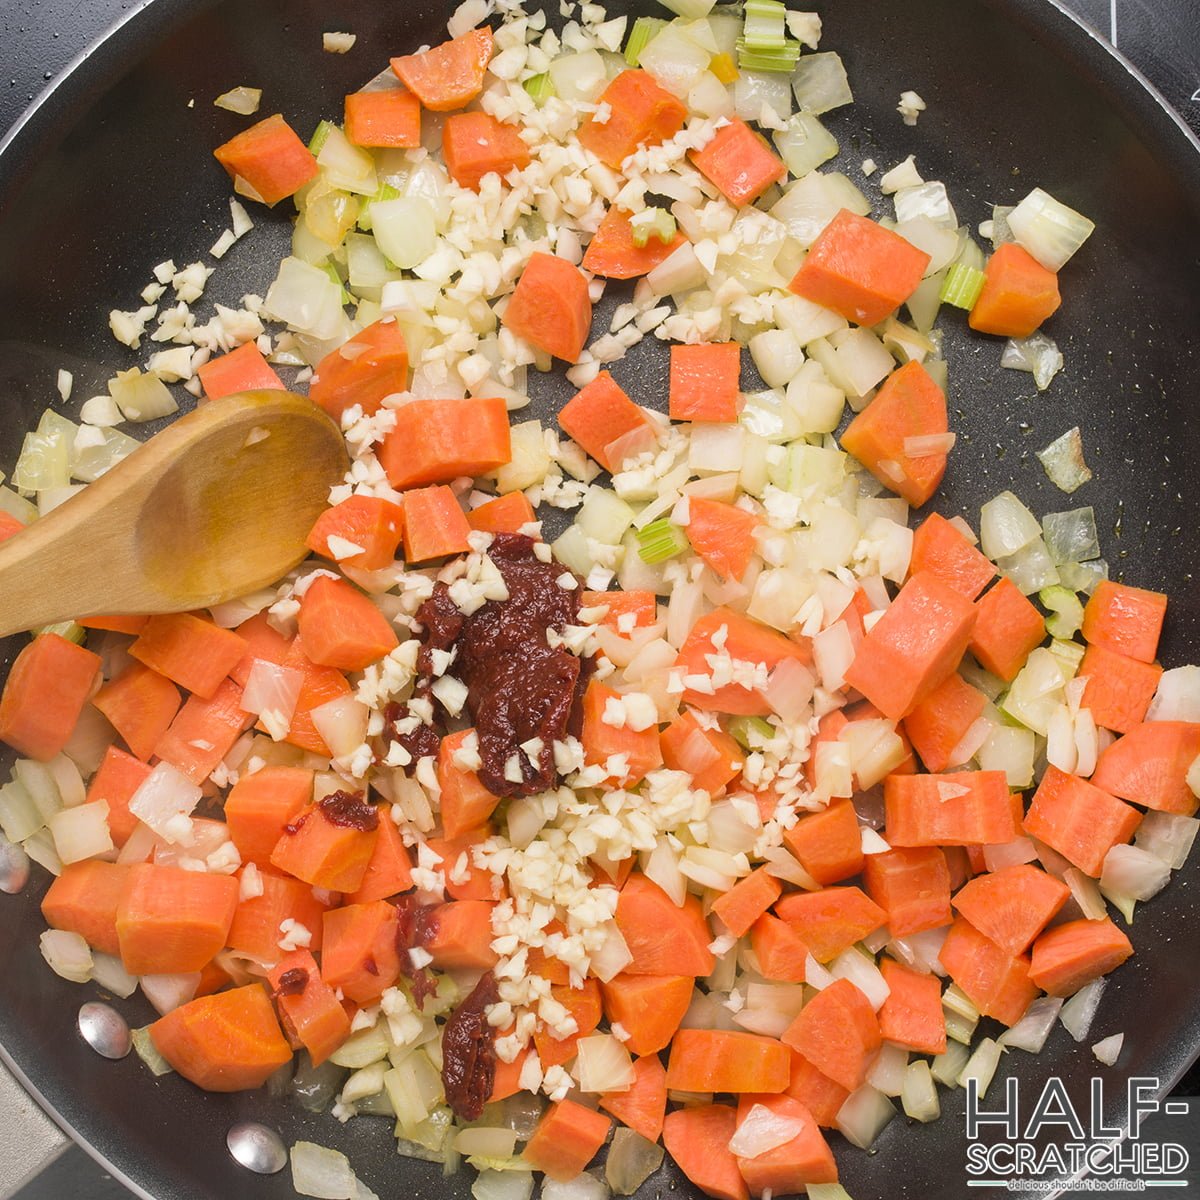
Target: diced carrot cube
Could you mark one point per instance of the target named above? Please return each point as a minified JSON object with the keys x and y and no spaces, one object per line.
{"x":566,"y":1140}
{"x":722,"y":535}
{"x":343,"y":627}
{"x":713,"y":1060}
{"x":828,"y":844}
{"x":1149,"y":766}
{"x":787,"y":1169}
{"x":612,"y":253}
{"x":747,"y":900}
{"x":1013,"y":905}
{"x":710,"y":756}
{"x":705,"y":382}
{"x":943,"y":550}
{"x":1079,"y":820}
{"x":643,"y":1106}
{"x":434,"y":524}
{"x":965,"y":808}
{"x":462,"y":937}
{"x":697,"y":1139}
{"x":475,"y":144}
{"x":606,"y":423}
{"x":912,"y":885}
{"x":241,"y":370}
{"x":640,"y":114}
{"x":1126,"y":620}
{"x":505,"y":514}
{"x":372,"y":365}
{"x":389,"y":117}
{"x":360,"y":953}
{"x":1018,"y":294}
{"x":256,"y":921}
{"x":115,"y":781}
{"x":627,"y":754}
{"x":140,"y":705}
{"x":47,"y":686}
{"x":308,"y":1008}
{"x":85,"y":898}
{"x":260,"y":805}
{"x":777,"y":947}
{"x":466,"y":803}
{"x":204,"y":731}
{"x":1119,"y":689}
{"x":996,"y":982}
{"x":448,"y":76}
{"x":323,"y":852}
{"x":1007,"y":630}
{"x":269,"y":158}
{"x":373,"y":524}
{"x":436,"y":441}
{"x":831,"y":920}
{"x":551,"y":307}
{"x":837,"y":1031}
{"x":912,"y":1014}
{"x":940,"y":722}
{"x":389,"y":871}
{"x":648,"y":1007}
{"x":192,"y":652}
{"x":817,"y":1092}
{"x":1073,"y":954}
{"x":739,"y":162}
{"x":663,"y":938}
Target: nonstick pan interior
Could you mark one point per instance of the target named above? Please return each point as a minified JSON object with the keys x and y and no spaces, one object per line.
{"x":112,"y":173}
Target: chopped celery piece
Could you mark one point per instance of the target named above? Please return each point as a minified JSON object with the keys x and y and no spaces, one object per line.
{"x":644,"y":31}
{"x":661,"y":540}
{"x":540,"y":87}
{"x":331,"y":271}
{"x":1083,"y":576}
{"x":652,"y":222}
{"x":320,"y":137}
{"x":782,"y":57}
{"x":751,"y":733}
{"x":65,"y":629}
{"x":765,"y":27}
{"x":1067,"y":613}
{"x":962,"y":286}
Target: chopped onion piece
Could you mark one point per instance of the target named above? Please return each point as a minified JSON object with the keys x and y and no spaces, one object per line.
{"x":504,"y":1185}
{"x":1032,"y":1030}
{"x":864,"y":1115}
{"x":168,"y":992}
{"x":1006,"y":526}
{"x":67,"y":955}
{"x":1178,"y":696}
{"x":242,"y":100}
{"x":1130,"y":871}
{"x":918,"y":1094}
{"x":582,"y":1187}
{"x":110,"y":974}
{"x":1079,"y":1012}
{"x":342,"y":724}
{"x":1086,"y":893}
{"x":1030,"y":568}
{"x":1048,"y":229}
{"x":1071,"y":537}
{"x":1108,"y":1049}
{"x":81,"y":832}
{"x":164,"y":801}
{"x":855,"y":966}
{"x":804,"y":144}
{"x":631,"y":1160}
{"x":1063,"y":461}
{"x":1037,"y":354}
{"x":326,"y":1174}
{"x":928,"y":445}
{"x":1168,"y":836}
{"x":603,"y":1064}
{"x":486,"y":1141}
{"x":888,"y":1070}
{"x":982,"y":1064}
{"x":762,"y":1130}
{"x":946,"y":1068}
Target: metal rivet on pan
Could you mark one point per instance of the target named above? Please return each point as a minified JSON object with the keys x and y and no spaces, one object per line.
{"x":257,"y":1147}
{"x":14,"y":867}
{"x":105,"y":1030}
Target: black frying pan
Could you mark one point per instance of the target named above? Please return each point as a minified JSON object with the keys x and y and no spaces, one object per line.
{"x":112,"y":173}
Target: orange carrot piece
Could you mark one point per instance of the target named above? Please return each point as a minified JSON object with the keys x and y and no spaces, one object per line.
{"x":715,"y":1060}
{"x":1149,"y":766}
{"x":831,"y":920}
{"x":585,"y":1005}
{"x":308,"y":1008}
{"x":262,"y":642}
{"x":389,"y":117}
{"x":84,"y":899}
{"x":114,"y":622}
{"x":1079,"y":820}
{"x":917,"y":642}
{"x":860,"y":270}
{"x":938,"y":723}
{"x":912,"y":1014}
{"x":256,"y":921}
{"x":838,"y":1033}
{"x":641,"y":605}
{"x":996,"y":982}
{"x":324,"y":853}
{"x":10,"y":527}
{"x":944,"y":551}
{"x":789,"y":1168}
{"x":612,"y":253}
{"x":170,"y":920}
{"x":506,"y":514}
{"x":817,"y":1092}
{"x":269,"y":158}
{"x":747,"y":900}
{"x":697,"y":1139}
{"x":909,"y":404}
{"x":343,"y":627}
{"x":745,"y":641}
{"x":436,"y":441}
{"x":190,"y":651}
{"x":204,"y":731}
{"x":1070,"y":955}
{"x":260,"y":805}
{"x":911,"y":885}
{"x":117,"y":778}
{"x":781,"y":955}
{"x":375,"y":525}
{"x":643,"y":1106}
{"x":637,"y":751}
{"x":434,"y":524}
{"x":551,"y":308}
{"x":965,"y":808}
{"x":606,"y":423}
{"x":1119,"y":689}
{"x":723,"y":535}
{"x":360,"y":954}
{"x":1018,"y":294}
{"x":458,"y":863}
{"x":321,"y":684}
{"x":1013,"y":905}
{"x":1126,"y":620}
{"x":371,"y":365}
{"x":449,"y":76}
{"x":705,"y":382}
{"x":47,"y":687}
{"x":566,"y":1139}
{"x":648,"y":1007}
{"x":462,"y":936}
{"x":475,"y":144}
{"x":1007,"y":629}
{"x":739,"y":163}
{"x":828,"y":844}
{"x":640,"y":114}
{"x":229,"y":1042}
{"x":389,"y":871}
{"x":466,"y":803}
{"x":663,"y":938}
{"x":140,"y":705}
{"x":241,"y":370}
{"x":213,"y":979}
{"x":710,"y":756}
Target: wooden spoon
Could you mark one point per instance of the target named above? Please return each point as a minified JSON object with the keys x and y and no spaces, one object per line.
{"x":212,"y":507}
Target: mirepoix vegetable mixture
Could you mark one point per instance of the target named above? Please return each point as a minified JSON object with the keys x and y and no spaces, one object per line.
{"x":751,"y":809}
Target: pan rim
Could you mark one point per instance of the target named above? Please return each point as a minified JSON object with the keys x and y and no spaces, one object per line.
{"x":1125,"y":87}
